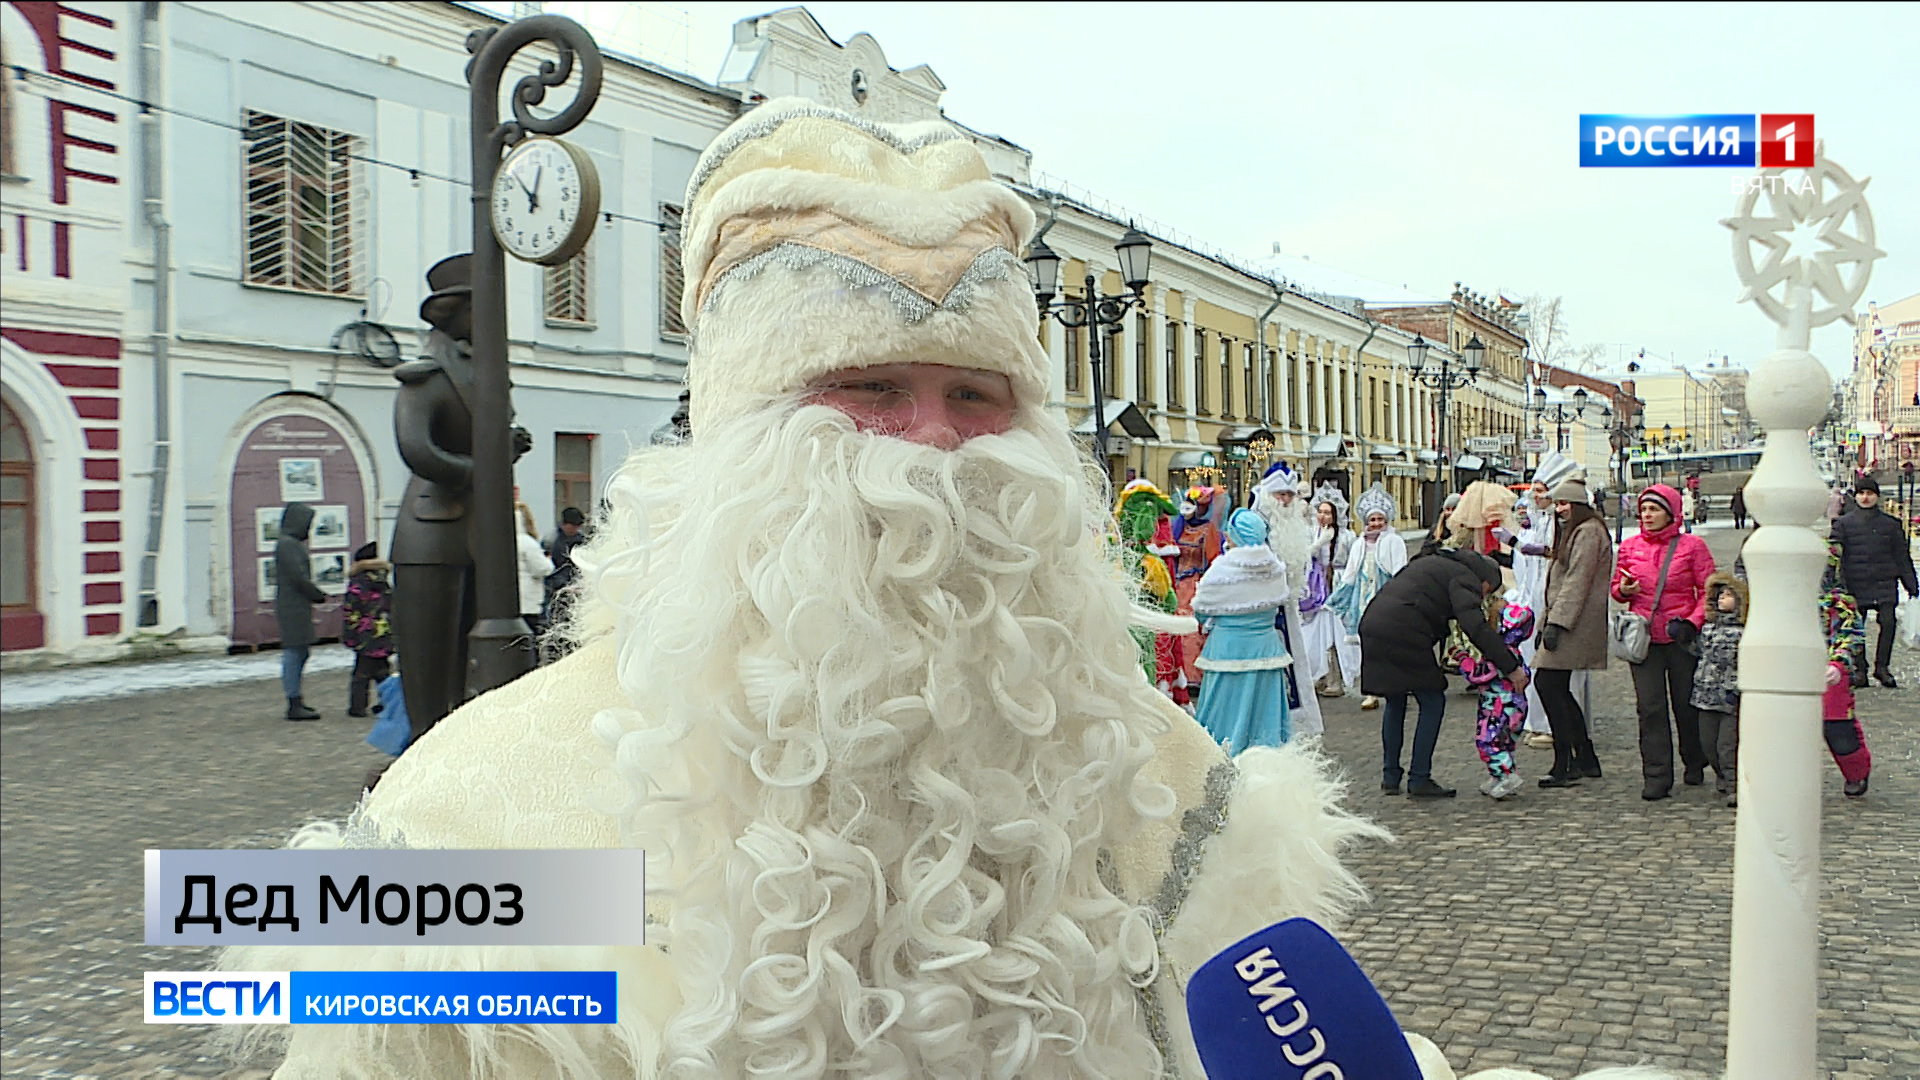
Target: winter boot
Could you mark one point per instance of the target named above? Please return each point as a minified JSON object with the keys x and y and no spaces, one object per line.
{"x":298,"y":710}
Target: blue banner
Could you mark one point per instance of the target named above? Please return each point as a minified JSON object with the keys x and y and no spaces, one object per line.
{"x":1706,"y":140}
{"x":454,"y":997}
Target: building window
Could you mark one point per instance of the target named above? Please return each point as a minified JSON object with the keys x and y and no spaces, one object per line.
{"x":1110,"y":360}
{"x":1175,"y":381}
{"x":568,"y":290}
{"x":17,"y":539}
{"x":6,"y":115}
{"x":1373,"y":408}
{"x":573,"y":474}
{"x":1200,"y":372}
{"x":1142,"y":360}
{"x":1071,"y":343}
{"x":1226,"y":378}
{"x":673,"y":276}
{"x":1273,"y":385}
{"x":1293,"y":399}
{"x":1252,"y":375}
{"x":1312,"y":402}
{"x":305,"y":207}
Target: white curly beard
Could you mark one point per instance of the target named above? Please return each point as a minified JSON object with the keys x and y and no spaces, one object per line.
{"x":1290,"y":532}
{"x":887,"y":716}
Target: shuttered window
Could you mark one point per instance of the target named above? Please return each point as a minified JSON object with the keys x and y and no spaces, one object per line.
{"x":568,"y":289}
{"x":673,"y":276}
{"x":305,"y":207}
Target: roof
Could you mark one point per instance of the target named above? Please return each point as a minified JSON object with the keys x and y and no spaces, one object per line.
{"x":600,"y":21}
{"x":1123,"y":412}
{"x":1308,"y":276}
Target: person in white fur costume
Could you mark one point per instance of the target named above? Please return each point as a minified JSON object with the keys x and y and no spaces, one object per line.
{"x":911,"y":807}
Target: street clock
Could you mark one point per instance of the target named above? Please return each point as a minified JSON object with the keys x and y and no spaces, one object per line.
{"x":546,"y":195}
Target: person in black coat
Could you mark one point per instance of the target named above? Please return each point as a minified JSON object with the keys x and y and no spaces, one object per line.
{"x":1875,"y":562}
{"x":1399,"y":636}
{"x":293,"y":599}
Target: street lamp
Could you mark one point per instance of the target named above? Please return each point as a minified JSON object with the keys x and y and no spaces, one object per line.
{"x":1560,"y":415}
{"x":1446,"y":380}
{"x":1092,"y":310}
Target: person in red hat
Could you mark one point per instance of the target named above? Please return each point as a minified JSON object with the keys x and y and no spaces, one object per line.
{"x":1661,"y":575}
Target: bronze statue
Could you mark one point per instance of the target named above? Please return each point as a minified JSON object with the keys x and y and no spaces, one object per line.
{"x":433,"y":603}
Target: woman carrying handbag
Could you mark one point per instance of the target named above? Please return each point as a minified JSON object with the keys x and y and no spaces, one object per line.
{"x":1662,"y":578}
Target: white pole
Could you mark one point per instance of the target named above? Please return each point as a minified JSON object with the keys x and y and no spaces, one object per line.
{"x":1776,"y":862}
{"x":1771,"y":1016}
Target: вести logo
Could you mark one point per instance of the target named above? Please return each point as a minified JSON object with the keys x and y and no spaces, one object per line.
{"x":1707,"y":140}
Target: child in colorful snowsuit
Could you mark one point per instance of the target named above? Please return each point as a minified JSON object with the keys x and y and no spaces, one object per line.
{"x":1716,"y":689}
{"x":1503,"y":707}
{"x":1846,"y":740}
{"x":364,"y":625}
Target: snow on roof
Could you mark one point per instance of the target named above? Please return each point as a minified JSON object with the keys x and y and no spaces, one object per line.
{"x":1312,"y":277}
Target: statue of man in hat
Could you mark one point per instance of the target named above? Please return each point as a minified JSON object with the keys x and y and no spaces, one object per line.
{"x":433,"y":606}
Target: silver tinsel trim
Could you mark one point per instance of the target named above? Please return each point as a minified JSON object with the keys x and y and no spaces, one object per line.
{"x":1197,"y":826}
{"x":761,"y":127}
{"x":991,"y":265}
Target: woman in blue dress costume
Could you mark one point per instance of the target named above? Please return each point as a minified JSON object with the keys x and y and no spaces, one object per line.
{"x":1243,"y":692}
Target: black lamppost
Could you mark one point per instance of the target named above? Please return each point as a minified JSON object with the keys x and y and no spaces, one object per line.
{"x":1093,"y":311}
{"x":500,"y":644}
{"x":1561,"y":415}
{"x":1620,"y":437}
{"x":1446,"y":380}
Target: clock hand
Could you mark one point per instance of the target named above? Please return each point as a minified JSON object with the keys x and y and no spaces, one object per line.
{"x":533,"y":195}
{"x":518,"y":179}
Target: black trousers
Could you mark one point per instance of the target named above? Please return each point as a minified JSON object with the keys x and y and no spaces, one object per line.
{"x":367,"y":670}
{"x":1666,"y":675}
{"x":1564,"y":716}
{"x":1883,"y":652}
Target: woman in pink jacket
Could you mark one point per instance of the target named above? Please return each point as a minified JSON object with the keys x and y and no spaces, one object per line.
{"x":1663,"y":682}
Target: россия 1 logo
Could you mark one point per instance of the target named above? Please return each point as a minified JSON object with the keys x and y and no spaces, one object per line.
{"x":1772,"y":140}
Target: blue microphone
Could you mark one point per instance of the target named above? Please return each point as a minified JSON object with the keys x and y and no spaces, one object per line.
{"x":1288,"y":1003}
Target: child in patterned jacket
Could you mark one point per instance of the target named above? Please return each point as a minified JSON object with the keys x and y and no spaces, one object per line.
{"x":1503,"y":708}
{"x":1716,"y":689}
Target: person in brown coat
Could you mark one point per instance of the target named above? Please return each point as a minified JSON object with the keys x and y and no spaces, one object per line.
{"x":1573,"y":628}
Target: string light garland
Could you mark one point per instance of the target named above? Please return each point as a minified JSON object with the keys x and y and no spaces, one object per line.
{"x":414,"y":172}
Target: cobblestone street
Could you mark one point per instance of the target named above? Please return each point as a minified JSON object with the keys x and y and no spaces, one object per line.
{"x":1562,"y":930}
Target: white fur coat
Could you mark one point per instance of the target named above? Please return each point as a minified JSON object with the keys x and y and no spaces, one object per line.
{"x":512,"y":770}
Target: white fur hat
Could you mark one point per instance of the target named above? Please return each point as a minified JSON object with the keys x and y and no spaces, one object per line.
{"x":816,"y":241}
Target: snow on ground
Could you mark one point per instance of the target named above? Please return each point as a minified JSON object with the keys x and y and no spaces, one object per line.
{"x":101,"y":682}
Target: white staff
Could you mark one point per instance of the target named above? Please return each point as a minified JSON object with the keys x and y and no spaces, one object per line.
{"x":1772,"y":1008}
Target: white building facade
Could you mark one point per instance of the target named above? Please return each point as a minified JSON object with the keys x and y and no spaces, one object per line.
{"x":307,"y":164}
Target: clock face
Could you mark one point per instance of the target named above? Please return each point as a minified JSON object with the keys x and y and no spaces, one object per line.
{"x":545,"y":197}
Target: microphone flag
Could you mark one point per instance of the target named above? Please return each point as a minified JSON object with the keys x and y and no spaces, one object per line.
{"x":1288,"y":1003}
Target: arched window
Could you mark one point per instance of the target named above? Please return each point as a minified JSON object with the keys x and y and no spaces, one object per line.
{"x":19,"y":554}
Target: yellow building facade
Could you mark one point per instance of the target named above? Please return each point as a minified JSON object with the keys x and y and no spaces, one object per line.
{"x":1218,"y":374}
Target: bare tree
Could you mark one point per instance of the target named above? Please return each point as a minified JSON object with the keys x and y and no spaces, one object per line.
{"x":1547,"y":336}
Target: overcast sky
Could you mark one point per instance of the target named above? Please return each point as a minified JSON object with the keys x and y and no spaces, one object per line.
{"x":1421,"y":144}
